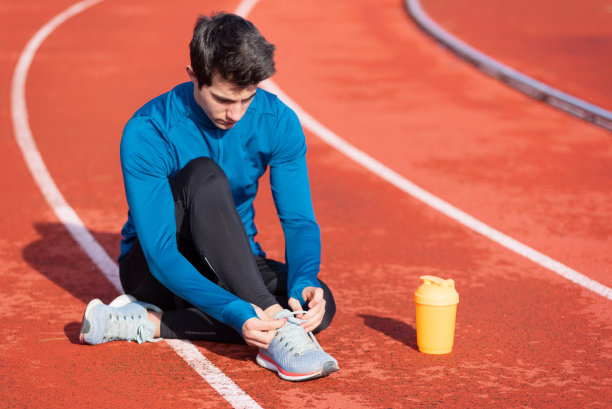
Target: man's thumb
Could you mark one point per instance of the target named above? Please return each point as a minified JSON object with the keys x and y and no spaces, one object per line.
{"x":294,"y":304}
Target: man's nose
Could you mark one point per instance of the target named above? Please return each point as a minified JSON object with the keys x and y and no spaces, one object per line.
{"x":234,"y":111}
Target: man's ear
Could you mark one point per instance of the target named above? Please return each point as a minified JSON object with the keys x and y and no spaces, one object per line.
{"x":191,"y":75}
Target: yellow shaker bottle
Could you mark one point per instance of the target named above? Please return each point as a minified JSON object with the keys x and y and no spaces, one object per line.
{"x":436,"y":308}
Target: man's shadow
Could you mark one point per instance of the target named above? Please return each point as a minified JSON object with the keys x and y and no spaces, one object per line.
{"x":392,"y":328}
{"x":57,"y":256}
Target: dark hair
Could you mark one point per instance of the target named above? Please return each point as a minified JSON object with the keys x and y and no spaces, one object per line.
{"x":233,"y":47}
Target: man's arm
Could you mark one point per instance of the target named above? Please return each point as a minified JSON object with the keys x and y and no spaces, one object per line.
{"x":291,"y":193}
{"x":146,"y":166}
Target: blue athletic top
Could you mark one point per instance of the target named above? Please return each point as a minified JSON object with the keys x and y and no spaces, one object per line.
{"x":171,"y":130}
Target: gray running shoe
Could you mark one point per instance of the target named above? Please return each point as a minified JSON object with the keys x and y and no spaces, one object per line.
{"x":294,"y":354}
{"x":124,"y":319}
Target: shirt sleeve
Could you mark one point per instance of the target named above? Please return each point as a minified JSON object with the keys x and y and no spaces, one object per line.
{"x":291,"y":193}
{"x":146,"y":163}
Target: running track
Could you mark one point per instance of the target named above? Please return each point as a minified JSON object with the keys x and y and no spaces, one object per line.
{"x":525,"y":336}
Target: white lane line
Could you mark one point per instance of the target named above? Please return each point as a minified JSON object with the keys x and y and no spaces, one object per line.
{"x":433,"y":201}
{"x":245,"y":7}
{"x":23,"y":135}
{"x":213,"y":375}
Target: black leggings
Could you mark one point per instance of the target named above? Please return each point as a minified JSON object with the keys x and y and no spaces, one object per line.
{"x":211,"y":235}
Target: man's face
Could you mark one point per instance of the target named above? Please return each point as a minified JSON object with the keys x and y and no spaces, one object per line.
{"x":223,"y":102}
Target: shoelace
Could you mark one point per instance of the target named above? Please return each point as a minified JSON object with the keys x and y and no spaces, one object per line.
{"x":126,"y":327}
{"x":293,"y":337}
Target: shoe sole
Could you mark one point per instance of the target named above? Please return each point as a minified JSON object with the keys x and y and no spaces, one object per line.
{"x":266,"y":362}
{"x":85,"y":321}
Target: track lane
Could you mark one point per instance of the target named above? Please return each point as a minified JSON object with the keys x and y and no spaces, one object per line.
{"x":366,"y":322}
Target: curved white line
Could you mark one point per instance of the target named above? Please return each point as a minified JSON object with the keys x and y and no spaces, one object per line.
{"x":66,"y":214}
{"x":34,"y":161}
{"x":435,"y":202}
{"x":245,"y":7}
{"x":552,"y":96}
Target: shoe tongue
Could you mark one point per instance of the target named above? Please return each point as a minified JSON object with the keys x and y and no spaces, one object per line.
{"x":297,"y":339}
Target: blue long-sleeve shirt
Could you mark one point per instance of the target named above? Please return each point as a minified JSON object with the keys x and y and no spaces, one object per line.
{"x":171,"y":130}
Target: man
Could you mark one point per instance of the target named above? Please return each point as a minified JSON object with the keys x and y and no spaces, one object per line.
{"x":191,"y":160}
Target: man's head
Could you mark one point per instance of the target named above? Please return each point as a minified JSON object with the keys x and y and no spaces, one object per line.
{"x":231,"y":46}
{"x":229,"y":58}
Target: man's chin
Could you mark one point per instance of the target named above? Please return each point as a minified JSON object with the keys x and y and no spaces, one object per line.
{"x":225,"y":125}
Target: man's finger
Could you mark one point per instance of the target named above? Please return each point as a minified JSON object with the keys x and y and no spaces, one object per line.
{"x":295,"y":306}
{"x":318,"y":313}
{"x":266,"y":325}
{"x":259,"y":339}
{"x":313,"y":295}
{"x":260,"y":333}
{"x":317,"y":309}
{"x":293,"y":303}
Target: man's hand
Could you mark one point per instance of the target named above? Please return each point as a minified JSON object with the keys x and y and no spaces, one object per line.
{"x":259,"y":332}
{"x":316,"y":307}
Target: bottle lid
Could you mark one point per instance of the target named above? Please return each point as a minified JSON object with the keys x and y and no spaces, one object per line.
{"x":436,"y":291}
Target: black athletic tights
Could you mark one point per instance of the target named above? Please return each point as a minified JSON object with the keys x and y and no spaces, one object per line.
{"x":210,"y":234}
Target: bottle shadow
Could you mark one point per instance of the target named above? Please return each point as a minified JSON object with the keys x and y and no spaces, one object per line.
{"x":398,"y":330}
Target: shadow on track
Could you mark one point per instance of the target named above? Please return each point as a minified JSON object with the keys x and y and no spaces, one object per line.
{"x":59,"y":258}
{"x":392,"y":328}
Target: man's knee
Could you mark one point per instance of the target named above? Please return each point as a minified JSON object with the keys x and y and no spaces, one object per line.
{"x":202,"y":169}
{"x":200,"y":172}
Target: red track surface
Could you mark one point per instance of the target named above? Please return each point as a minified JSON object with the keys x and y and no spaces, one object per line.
{"x":563,"y":43}
{"x":525,"y":336}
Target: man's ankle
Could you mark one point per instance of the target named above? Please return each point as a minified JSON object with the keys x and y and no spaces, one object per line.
{"x":155,"y":318}
{"x":272,"y":310}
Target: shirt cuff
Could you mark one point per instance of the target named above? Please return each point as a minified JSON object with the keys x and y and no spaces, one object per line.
{"x":236,"y":313}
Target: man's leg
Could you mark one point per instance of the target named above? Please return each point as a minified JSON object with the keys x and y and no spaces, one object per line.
{"x":210,"y":234}
{"x":179,"y":320}
{"x":190,"y":323}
